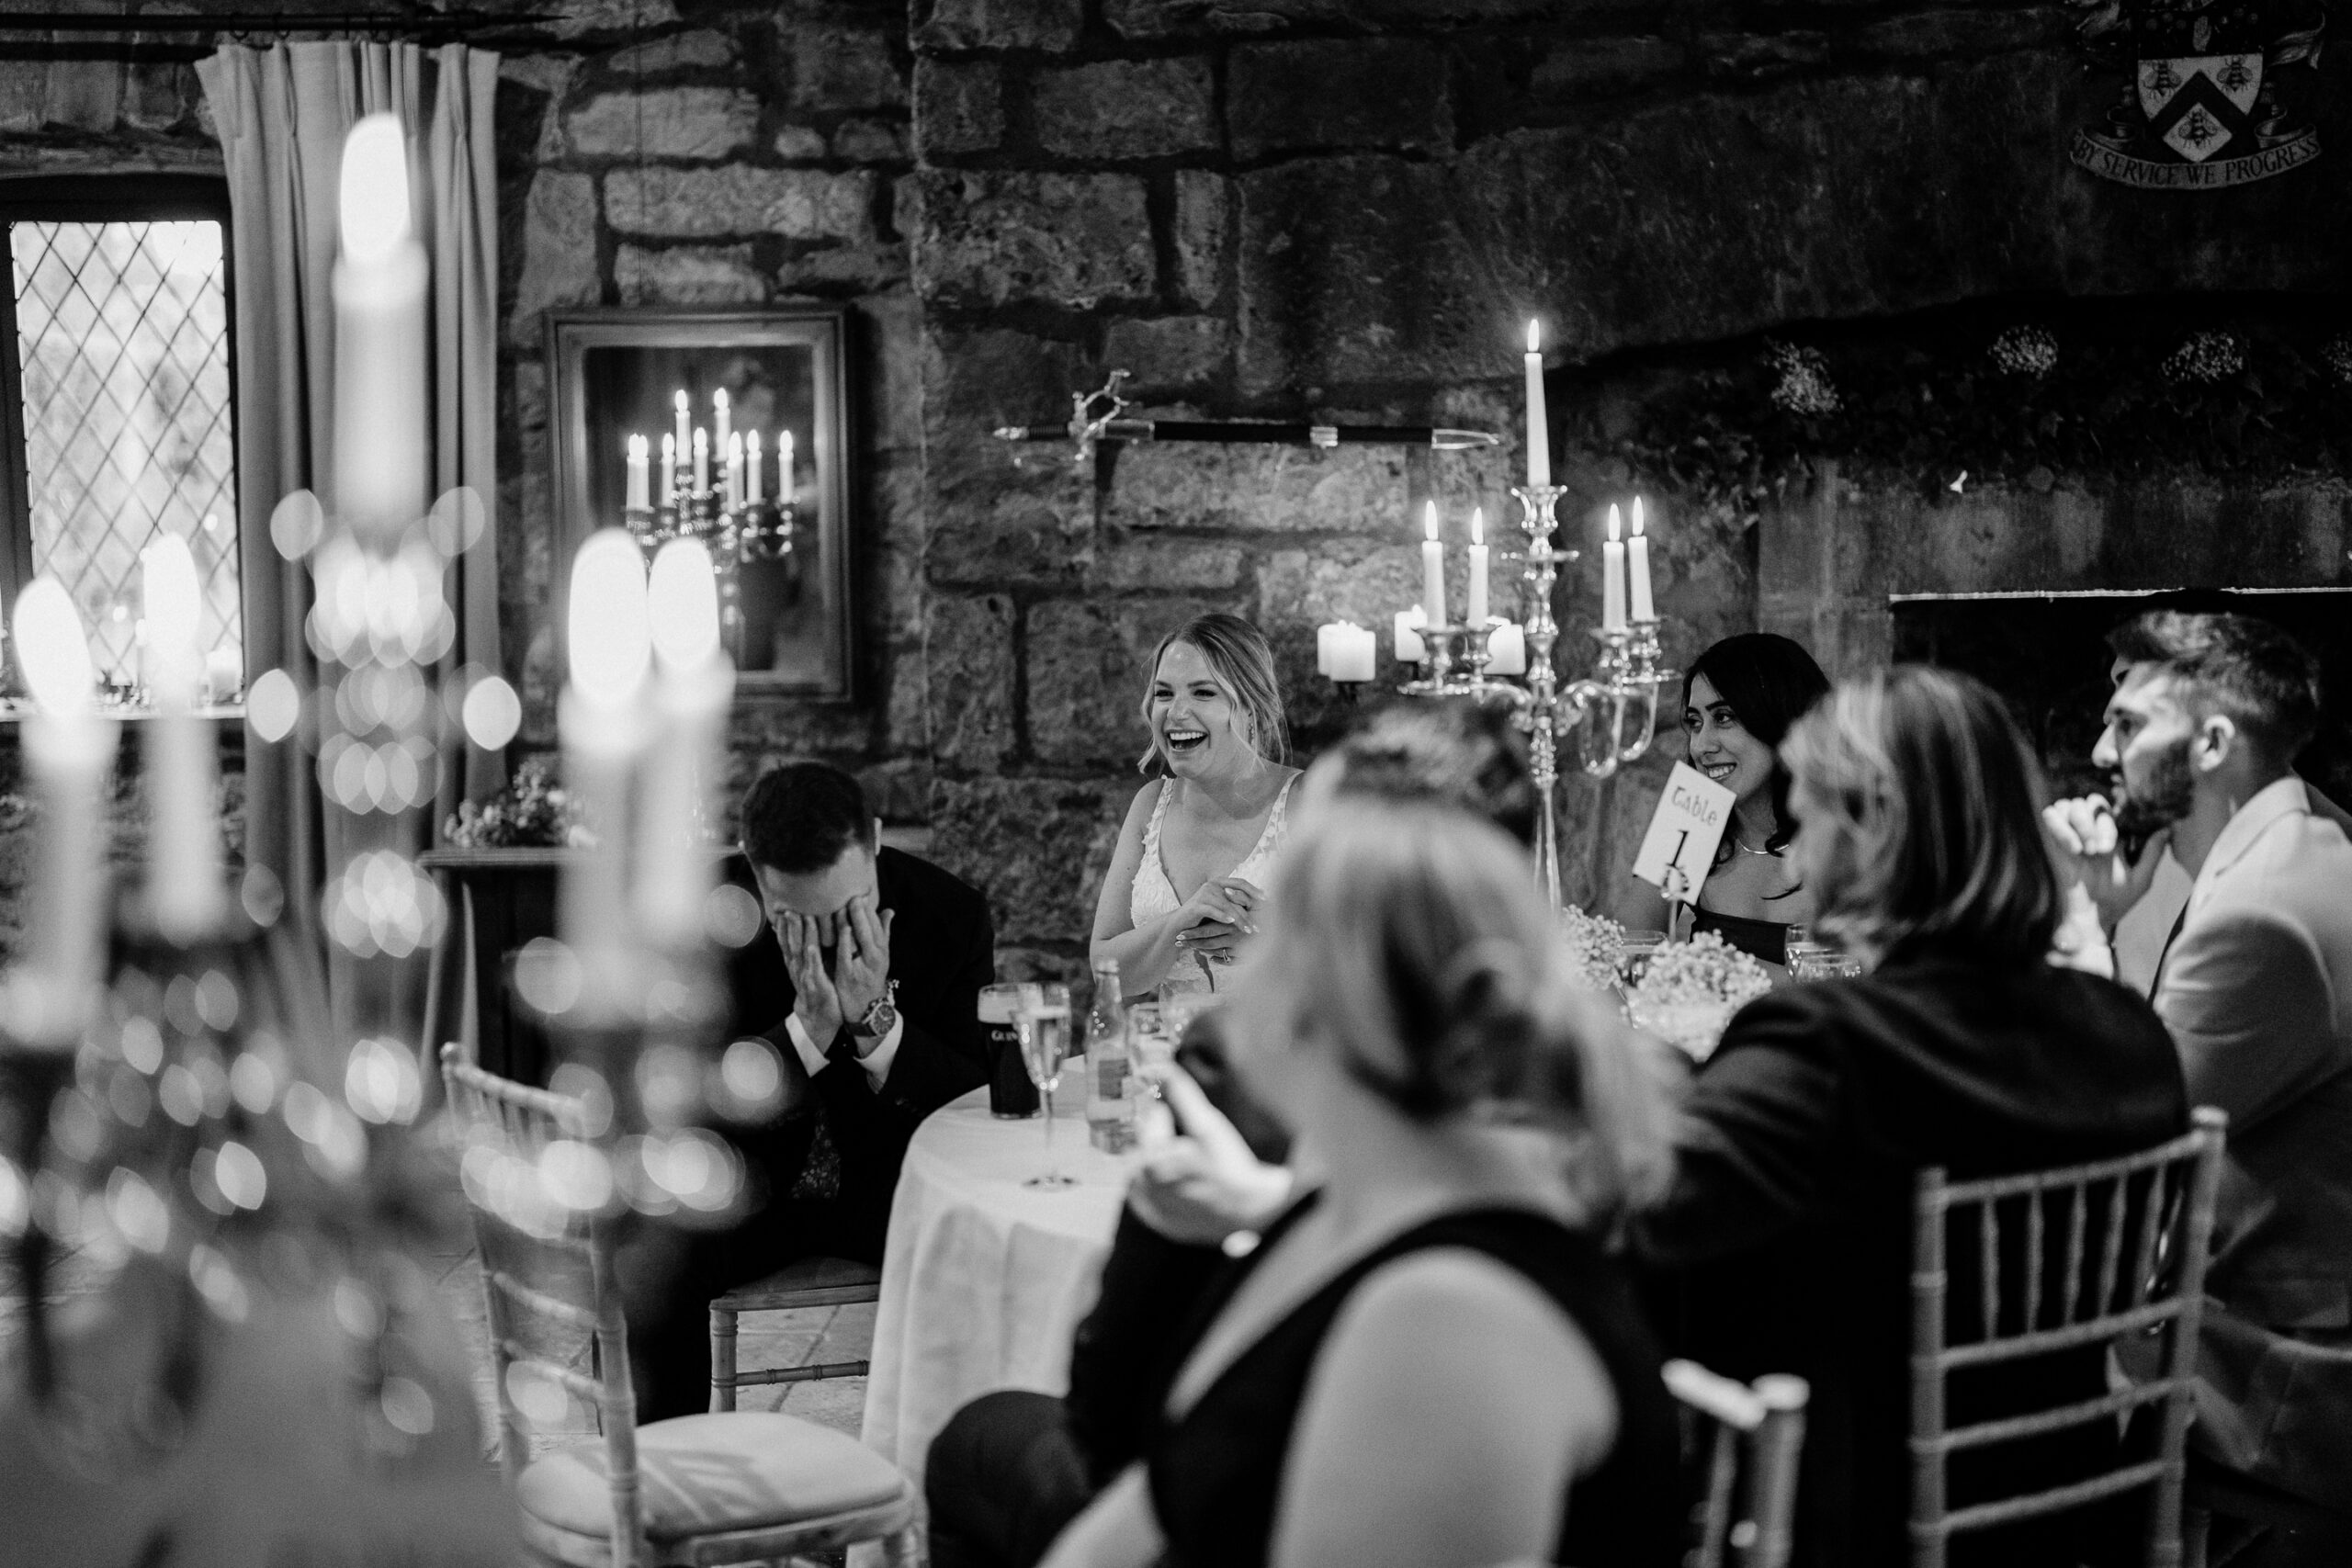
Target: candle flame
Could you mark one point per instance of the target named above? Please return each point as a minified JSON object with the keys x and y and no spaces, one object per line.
{"x":374,"y":205}
{"x":1477,"y":524}
{"x":53,"y":651}
{"x":681,"y":601}
{"x":1429,"y":520}
{"x":680,"y":400}
{"x":718,"y":399}
{"x":669,"y":447}
{"x":611,"y":640}
{"x":1613,"y":524}
{"x":1534,"y":336}
{"x":1637,"y":517}
{"x":734,"y":445}
{"x":174,"y":601}
{"x":637,"y":447}
{"x":702,"y":439}
{"x":751,"y":442}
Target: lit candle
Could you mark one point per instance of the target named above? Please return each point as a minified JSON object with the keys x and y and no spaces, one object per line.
{"x":684,"y":409}
{"x":1410,"y":649}
{"x":752,"y":447}
{"x":380,"y":280}
{"x":1353,"y":652}
{"x":1639,"y":576}
{"x":1432,"y":566}
{"x":184,"y":892}
{"x":637,"y":487}
{"x":1476,"y":615}
{"x":603,"y":731}
{"x":787,"y":478}
{"x":695,"y":682}
{"x":669,"y":468}
{"x":1326,"y":638}
{"x":1539,"y":441}
{"x":702,"y":460}
{"x":734,"y":472}
{"x":722,"y":420}
{"x":67,"y":749}
{"x":1613,"y":576}
{"x":1507,"y":650}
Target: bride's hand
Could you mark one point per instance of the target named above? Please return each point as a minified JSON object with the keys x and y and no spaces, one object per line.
{"x":1227,"y":901}
{"x":1214,"y":940}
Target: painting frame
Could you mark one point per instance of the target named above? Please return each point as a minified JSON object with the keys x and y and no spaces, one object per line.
{"x":824,"y":658}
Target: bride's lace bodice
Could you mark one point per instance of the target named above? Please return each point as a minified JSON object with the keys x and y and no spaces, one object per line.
{"x":1153,"y":896}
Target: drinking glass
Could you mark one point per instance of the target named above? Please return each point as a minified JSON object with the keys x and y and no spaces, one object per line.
{"x":1043,"y":1021}
{"x":1635,"y":951}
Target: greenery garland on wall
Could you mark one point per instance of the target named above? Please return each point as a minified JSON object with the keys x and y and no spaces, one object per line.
{"x":2075,"y":393}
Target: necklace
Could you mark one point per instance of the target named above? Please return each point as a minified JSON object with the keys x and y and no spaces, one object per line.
{"x":1743,"y":849}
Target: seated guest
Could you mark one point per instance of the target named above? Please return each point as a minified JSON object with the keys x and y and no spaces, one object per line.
{"x":1013,"y":1467}
{"x":1429,"y":1360}
{"x":2256,"y":986}
{"x":876,"y":1015}
{"x":1784,"y":1242}
{"x":1188,"y":876}
{"x":1738,"y":700}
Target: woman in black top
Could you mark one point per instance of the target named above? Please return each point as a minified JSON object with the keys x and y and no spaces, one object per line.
{"x":1427,"y":1362}
{"x":1738,"y":699}
{"x":1784,"y":1242}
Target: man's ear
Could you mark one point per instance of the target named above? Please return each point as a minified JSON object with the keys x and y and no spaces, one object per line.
{"x":2214,"y":742}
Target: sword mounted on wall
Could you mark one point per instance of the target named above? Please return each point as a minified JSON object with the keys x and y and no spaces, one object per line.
{"x":1101,"y":415}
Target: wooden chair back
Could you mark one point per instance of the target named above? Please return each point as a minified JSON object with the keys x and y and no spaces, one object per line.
{"x":1762,"y":1424}
{"x":539,"y":1258}
{"x":2092,"y":1253}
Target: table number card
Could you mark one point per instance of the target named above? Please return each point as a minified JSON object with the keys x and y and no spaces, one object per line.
{"x":1680,"y":845}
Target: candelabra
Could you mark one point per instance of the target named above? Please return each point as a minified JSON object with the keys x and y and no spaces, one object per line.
{"x":736,"y":535}
{"x":1603,"y":720}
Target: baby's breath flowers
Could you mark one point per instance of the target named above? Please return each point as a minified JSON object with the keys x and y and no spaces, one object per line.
{"x":1592,"y":943}
{"x":1691,"y":988}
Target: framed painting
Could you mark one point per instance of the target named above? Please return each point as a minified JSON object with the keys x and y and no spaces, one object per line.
{"x":730,"y":426}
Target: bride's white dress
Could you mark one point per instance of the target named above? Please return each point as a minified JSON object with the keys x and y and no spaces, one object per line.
{"x":1152,"y":897}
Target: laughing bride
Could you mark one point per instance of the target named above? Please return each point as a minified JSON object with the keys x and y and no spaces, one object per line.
{"x":1186,"y":886}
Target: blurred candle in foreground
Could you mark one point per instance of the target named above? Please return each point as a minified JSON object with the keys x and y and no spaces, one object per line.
{"x":635,"y":499}
{"x":691,"y":695}
{"x":1507,"y":650}
{"x":184,"y":891}
{"x":379,"y":281}
{"x":1432,"y":566}
{"x":603,"y":728}
{"x":1410,"y":647}
{"x":1539,"y":441}
{"x":1476,"y":614}
{"x":1612,"y":575}
{"x":752,"y":450}
{"x":67,"y":749}
{"x":1352,"y":649}
{"x":1638,"y":569}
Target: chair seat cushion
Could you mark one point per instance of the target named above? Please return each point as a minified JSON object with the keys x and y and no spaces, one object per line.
{"x":702,"y":1474}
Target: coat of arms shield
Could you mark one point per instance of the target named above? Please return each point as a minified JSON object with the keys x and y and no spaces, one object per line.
{"x":2199,"y":108}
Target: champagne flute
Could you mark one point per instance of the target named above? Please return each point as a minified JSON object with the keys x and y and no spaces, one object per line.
{"x":1043,"y":1021}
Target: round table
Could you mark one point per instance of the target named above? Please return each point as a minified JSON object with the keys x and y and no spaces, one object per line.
{"x":984,"y":1279}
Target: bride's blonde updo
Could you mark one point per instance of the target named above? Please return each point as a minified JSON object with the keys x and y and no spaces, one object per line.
{"x":1243,"y":662}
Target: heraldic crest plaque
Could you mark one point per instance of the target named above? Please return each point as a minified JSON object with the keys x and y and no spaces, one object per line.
{"x":2202,"y":104}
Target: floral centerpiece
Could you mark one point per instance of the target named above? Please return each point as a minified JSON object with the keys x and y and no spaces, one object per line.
{"x":532,"y":812}
{"x":1690,"y":990}
{"x":1592,"y":943}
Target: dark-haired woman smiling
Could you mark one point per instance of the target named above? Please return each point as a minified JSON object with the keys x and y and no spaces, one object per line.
{"x":1738,"y":700}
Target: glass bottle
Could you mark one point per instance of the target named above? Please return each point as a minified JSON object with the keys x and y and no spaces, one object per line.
{"x":1110,"y":1065}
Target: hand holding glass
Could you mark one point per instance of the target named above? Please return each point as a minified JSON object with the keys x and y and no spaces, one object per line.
{"x":1043,"y":1021}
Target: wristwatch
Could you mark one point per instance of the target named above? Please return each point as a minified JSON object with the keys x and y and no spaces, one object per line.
{"x":881,"y":1018}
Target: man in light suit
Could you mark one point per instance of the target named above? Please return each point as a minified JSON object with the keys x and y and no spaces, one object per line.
{"x":2256,"y":986}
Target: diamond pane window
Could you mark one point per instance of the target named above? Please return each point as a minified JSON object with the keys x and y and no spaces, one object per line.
{"x":122,"y":346}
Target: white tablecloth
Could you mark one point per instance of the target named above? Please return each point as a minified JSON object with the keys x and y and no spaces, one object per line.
{"x":984,"y":1279}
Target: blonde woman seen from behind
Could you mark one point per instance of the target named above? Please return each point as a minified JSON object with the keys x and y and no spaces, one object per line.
{"x":1186,"y":885}
{"x":1428,"y":1362}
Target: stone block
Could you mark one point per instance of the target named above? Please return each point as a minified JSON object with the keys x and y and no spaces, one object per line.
{"x":799,"y":204}
{"x":1076,"y":240}
{"x":1125,"y":560}
{"x":530,"y":399}
{"x":1742,"y":57}
{"x":1037,"y":848}
{"x":1169,"y":351}
{"x":559,"y":250}
{"x":1126,"y":109}
{"x":968,"y":649}
{"x":843,"y":68}
{"x":23,"y":85}
{"x":1930,"y":34}
{"x":1089,"y":663}
{"x":1202,"y":202}
{"x":582,"y":17}
{"x":1582,"y":68}
{"x":703,"y":50}
{"x":664,"y":122}
{"x":1365,"y":581}
{"x":959,"y":108}
{"x":688,"y":275}
{"x":1168,"y":18}
{"x":798,"y":142}
{"x":156,"y":96}
{"x":1049,"y":24}
{"x":84,"y":94}
{"x":1334,"y":93}
{"x":870,"y":141}
{"x":831,"y":269}
{"x":1259,"y":489}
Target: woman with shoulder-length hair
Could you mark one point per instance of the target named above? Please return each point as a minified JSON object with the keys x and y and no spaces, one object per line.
{"x":1428,"y":1362}
{"x":1783,"y":1243}
{"x":1187,"y":880}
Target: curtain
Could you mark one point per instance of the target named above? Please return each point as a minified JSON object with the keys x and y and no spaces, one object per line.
{"x":282,"y":114}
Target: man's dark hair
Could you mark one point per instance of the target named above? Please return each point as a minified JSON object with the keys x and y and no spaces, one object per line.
{"x":1453,"y":751}
{"x":2263,"y":678}
{"x":799,"y":817}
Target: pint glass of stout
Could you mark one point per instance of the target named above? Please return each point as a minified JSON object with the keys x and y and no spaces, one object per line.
{"x":1011,"y":1094}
